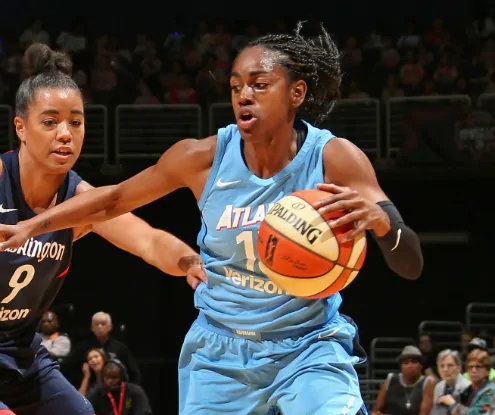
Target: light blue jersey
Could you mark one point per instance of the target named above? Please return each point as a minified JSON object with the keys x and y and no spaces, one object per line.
{"x":253,"y":349}
{"x":233,"y":205}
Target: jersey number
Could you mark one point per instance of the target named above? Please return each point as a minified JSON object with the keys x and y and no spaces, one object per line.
{"x":21,"y":278}
{"x":246,"y":238}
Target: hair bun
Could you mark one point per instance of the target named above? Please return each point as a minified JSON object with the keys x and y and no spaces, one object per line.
{"x":39,"y":58}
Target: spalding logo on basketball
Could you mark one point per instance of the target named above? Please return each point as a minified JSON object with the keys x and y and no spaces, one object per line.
{"x":301,"y":253}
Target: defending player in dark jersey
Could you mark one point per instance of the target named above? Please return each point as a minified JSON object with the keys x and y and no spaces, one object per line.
{"x":50,"y":125}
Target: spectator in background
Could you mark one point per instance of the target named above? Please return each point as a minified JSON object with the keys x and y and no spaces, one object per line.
{"x":392,"y":89}
{"x":221,"y":42}
{"x":57,"y":344}
{"x":466,"y":337}
{"x":103,"y":80}
{"x":182,"y":92}
{"x":73,"y":41}
{"x":479,"y":344}
{"x":352,"y":56}
{"x":409,"y":392}
{"x":411,"y":39}
{"x":429,"y":88}
{"x":389,"y":57}
{"x":479,"y":397}
{"x":425,"y":57}
{"x":34,"y":34}
{"x":412,"y":74}
{"x":116,"y":395}
{"x":356,"y":91}
{"x":429,"y":353}
{"x":145,"y":95}
{"x":445,"y":73}
{"x":250,"y":33}
{"x":437,"y":34}
{"x":101,"y":326}
{"x":92,"y":370}
{"x":172,"y":43}
{"x":481,"y":28}
{"x":453,"y":383}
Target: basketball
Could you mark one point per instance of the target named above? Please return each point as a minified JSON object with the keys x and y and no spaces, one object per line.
{"x":299,"y":251}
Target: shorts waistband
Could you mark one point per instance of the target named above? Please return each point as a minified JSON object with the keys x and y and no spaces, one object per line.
{"x":210,"y":324}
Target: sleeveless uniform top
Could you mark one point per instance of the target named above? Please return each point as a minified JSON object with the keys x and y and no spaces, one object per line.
{"x":233,"y":204}
{"x":30,"y":276}
{"x":403,"y":399}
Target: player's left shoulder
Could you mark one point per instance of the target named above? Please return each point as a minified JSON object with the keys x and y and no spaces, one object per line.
{"x":342,"y":147}
{"x":342,"y":155}
{"x":83,"y":186}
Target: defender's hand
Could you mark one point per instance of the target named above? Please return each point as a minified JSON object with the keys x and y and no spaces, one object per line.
{"x":195,"y":272}
{"x":13,"y":236}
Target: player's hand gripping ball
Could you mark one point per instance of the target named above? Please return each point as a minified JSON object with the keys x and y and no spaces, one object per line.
{"x":302,"y":253}
{"x":362,"y":213}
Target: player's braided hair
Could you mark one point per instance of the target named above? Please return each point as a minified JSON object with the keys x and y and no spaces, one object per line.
{"x":45,"y":68}
{"x":313,"y":60}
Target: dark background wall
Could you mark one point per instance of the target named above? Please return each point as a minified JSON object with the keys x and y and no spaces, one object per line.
{"x":154,"y":17}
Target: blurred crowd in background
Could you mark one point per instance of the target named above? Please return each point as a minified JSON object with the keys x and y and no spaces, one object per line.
{"x":192,"y":67}
{"x":412,"y":376}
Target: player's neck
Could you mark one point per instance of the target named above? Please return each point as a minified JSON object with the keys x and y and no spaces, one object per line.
{"x":38,"y":188}
{"x":267,"y":158}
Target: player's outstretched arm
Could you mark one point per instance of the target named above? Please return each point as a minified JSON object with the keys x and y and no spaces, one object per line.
{"x":174,"y":170}
{"x":351,"y":180}
{"x":158,"y":248}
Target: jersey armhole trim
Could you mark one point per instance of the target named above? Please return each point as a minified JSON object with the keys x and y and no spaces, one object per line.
{"x":388,"y":379}
{"x":222,"y":132}
{"x":2,"y":166}
{"x":77,"y":179}
{"x":325,"y":139}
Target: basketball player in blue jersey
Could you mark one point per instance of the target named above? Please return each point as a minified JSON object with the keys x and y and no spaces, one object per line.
{"x":50,"y":125}
{"x":254,"y":349}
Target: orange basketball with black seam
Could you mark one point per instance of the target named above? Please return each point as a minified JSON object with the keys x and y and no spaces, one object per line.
{"x":299,"y":251}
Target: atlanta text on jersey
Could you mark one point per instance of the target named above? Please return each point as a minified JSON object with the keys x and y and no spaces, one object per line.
{"x":236,"y":217}
{"x":36,"y":249}
{"x":15,"y":314}
{"x":252,"y":282}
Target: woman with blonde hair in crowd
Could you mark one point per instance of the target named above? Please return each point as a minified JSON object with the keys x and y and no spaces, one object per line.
{"x":92,"y":369}
{"x":479,"y":397}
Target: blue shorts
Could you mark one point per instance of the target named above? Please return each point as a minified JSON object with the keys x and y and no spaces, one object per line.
{"x":312,"y":374}
{"x":42,"y":391}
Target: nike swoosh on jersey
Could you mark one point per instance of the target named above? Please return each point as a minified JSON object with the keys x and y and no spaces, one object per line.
{"x":223,"y":184}
{"x":2,"y":210}
{"x":322,"y":336}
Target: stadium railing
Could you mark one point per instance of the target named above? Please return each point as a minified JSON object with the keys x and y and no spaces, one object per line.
{"x":144,"y":132}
